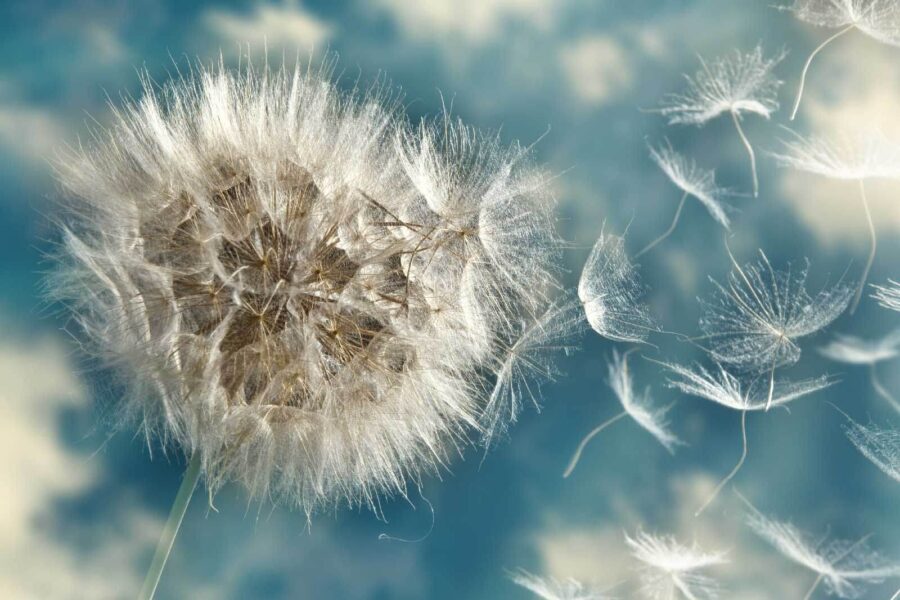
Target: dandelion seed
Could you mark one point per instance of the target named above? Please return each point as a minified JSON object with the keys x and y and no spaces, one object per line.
{"x":525,"y":364}
{"x":724,"y":388}
{"x":610,"y":291}
{"x":856,"y":351}
{"x":856,"y":158}
{"x":549,"y":588}
{"x":671,"y":569}
{"x":637,"y":406}
{"x":754,"y":322}
{"x":881,"y":446}
{"x":888,"y":295}
{"x":692,"y":181}
{"x":306,"y":297}
{"x":878,"y":19}
{"x":844,"y":567}
{"x":737,"y":84}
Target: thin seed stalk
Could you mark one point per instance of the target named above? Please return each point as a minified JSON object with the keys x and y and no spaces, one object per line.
{"x":170,"y":530}
{"x":668,"y":231}
{"x":737,"y":123}
{"x":873,"y":245}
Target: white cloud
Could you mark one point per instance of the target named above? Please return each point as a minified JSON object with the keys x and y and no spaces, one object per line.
{"x":31,"y":134}
{"x":597,"y":69}
{"x":470,"y":21}
{"x":36,"y":384}
{"x":288,"y":25}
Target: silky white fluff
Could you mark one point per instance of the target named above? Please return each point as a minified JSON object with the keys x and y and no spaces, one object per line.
{"x":845,"y":566}
{"x":879,"y":19}
{"x":671,"y":570}
{"x":738,"y":83}
{"x":299,"y":287}
{"x":851,"y":156}
{"x":857,"y":351}
{"x":639,"y":406}
{"x":888,"y":295}
{"x":879,"y":445}
{"x":550,"y":588}
{"x":692,"y":180}
{"x":723,"y":388}
{"x":754,"y":321}
{"x":610,"y":291}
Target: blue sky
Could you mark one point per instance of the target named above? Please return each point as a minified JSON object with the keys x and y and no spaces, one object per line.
{"x":82,"y":507}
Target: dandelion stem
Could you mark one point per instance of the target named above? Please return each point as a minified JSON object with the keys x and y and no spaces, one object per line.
{"x":737,"y":123}
{"x":734,"y":471}
{"x":814,"y":586}
{"x":896,"y":595}
{"x":577,"y":456}
{"x":669,"y":231}
{"x":809,"y":62}
{"x":167,"y":539}
{"x":880,"y":389}
{"x":873,"y":244}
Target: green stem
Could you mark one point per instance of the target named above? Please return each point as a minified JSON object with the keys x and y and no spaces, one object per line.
{"x":170,"y":531}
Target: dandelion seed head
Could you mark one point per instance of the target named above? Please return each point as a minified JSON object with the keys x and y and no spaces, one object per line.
{"x":755,"y":318}
{"x":693,"y":180}
{"x":550,"y":588}
{"x":845,"y":566}
{"x":856,"y":156}
{"x":670,"y":568}
{"x":888,"y":295}
{"x":639,"y":406}
{"x":879,"y":19}
{"x":303,"y":291}
{"x":881,"y":446}
{"x":854,"y":350}
{"x":723,"y":388}
{"x":737,"y":83}
{"x":610,"y":291}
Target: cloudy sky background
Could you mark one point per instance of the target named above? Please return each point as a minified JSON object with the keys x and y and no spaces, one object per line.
{"x":81,"y":509}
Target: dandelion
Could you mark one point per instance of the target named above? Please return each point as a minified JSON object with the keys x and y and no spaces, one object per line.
{"x":692,"y":181}
{"x":881,"y":446}
{"x":856,"y":158}
{"x":845,"y":567}
{"x":638,"y":406}
{"x":737,"y":84}
{"x":671,"y":570}
{"x":888,"y":295}
{"x":549,"y":588}
{"x":727,"y":390}
{"x":856,"y":351}
{"x":609,"y":290}
{"x":755,"y":321}
{"x":304,"y":296}
{"x":878,"y":19}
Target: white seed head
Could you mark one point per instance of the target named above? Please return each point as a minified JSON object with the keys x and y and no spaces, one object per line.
{"x":737,"y":83}
{"x":670,"y":569}
{"x":879,"y":19}
{"x":640,"y":406}
{"x":857,"y":351}
{"x":610,"y":290}
{"x":310,"y":296}
{"x":845,"y":566}
{"x":888,"y":295}
{"x":692,"y":180}
{"x":753,"y":322}
{"x":550,"y":588}
{"x":723,"y":388}
{"x":881,"y":446}
{"x":856,"y":156}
